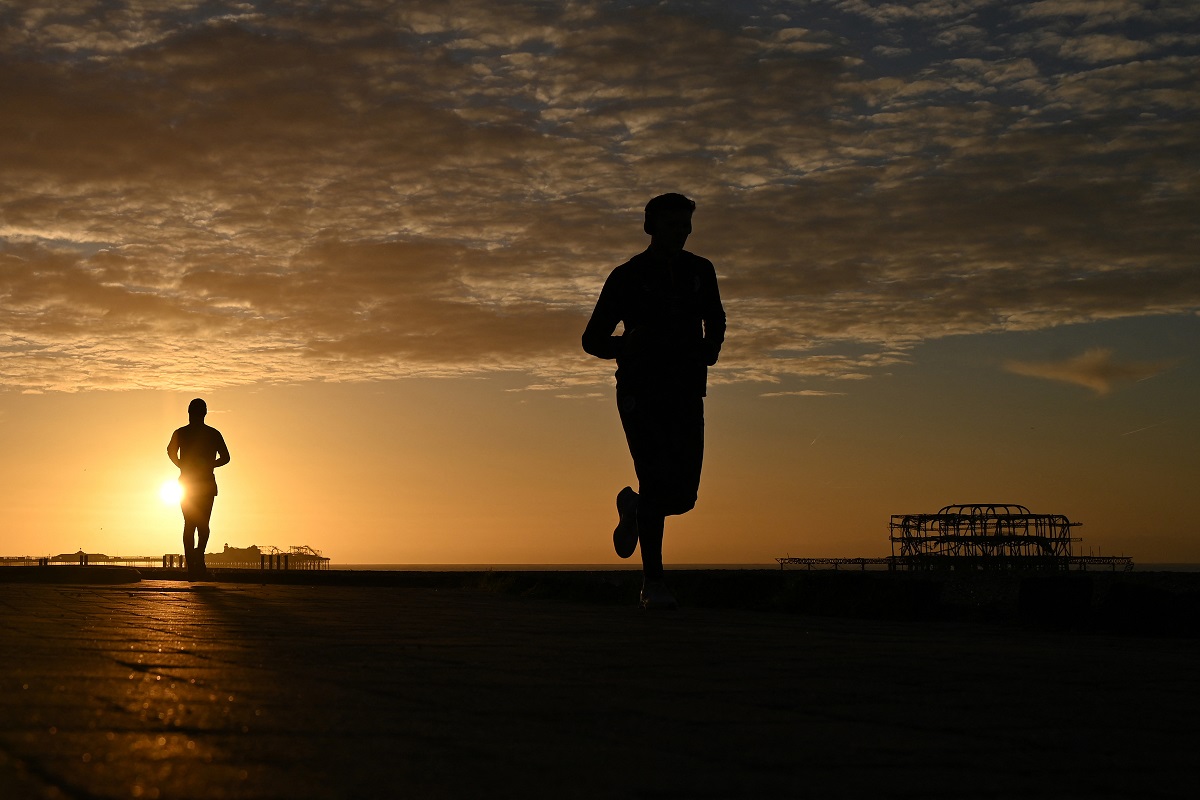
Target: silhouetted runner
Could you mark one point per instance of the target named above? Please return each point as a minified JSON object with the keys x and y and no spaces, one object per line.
{"x":197,"y":450}
{"x":674,"y":324}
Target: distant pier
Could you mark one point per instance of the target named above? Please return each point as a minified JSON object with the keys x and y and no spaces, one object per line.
{"x":978,"y":537}
{"x":296,"y":557}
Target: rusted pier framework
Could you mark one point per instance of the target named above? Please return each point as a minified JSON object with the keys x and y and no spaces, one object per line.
{"x":994,"y":536}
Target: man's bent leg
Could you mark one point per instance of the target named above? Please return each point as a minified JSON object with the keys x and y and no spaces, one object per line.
{"x":665,"y":436}
{"x":625,"y":536}
{"x":648,"y":446}
{"x":685,"y":446}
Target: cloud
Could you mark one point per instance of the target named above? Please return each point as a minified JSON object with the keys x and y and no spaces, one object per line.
{"x":1095,"y":369}
{"x":1093,"y":12}
{"x":804,"y":393}
{"x":1099,"y":47}
{"x":208,"y":194}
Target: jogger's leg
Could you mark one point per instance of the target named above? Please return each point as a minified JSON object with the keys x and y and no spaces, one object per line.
{"x":650,"y":538}
{"x":204,"y":514}
{"x":189,"y":533}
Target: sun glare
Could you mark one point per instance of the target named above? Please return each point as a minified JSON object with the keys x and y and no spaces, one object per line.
{"x":170,"y":491}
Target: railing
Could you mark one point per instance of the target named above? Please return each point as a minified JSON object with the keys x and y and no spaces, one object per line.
{"x":932,"y":563}
{"x":79,"y":559}
{"x":836,"y":563}
{"x":274,"y":560}
{"x":1112,"y":562}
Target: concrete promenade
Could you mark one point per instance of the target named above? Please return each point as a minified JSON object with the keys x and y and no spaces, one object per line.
{"x":165,"y":689}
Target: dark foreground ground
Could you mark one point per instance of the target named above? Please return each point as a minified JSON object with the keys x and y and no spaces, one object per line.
{"x":553,"y":685}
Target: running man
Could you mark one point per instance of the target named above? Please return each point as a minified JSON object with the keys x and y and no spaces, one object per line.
{"x":674,"y":324}
{"x":197,"y":450}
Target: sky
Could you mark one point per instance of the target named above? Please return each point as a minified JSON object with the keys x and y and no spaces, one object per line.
{"x":956,"y":241}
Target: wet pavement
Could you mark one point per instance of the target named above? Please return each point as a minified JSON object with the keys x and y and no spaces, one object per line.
{"x":164,"y":689}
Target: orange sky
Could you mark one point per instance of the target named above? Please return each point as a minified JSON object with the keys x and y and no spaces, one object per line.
{"x":956,"y":243}
{"x":470,"y":471}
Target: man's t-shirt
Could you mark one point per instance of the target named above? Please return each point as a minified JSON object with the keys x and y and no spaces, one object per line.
{"x":674,"y":323}
{"x":199,"y":446}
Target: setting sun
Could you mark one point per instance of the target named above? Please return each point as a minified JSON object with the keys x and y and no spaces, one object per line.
{"x":170,"y":491}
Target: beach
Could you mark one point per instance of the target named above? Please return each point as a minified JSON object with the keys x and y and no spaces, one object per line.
{"x":553,"y":685}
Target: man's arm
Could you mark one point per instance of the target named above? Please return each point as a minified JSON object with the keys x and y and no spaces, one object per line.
{"x":173,"y":450}
{"x":222,"y":451}
{"x":714,"y":317}
{"x":597,"y":336}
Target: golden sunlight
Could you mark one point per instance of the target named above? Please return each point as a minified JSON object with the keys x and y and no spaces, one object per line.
{"x":170,"y":491}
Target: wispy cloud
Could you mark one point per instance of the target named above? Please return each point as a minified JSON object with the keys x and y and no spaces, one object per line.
{"x":220,"y":193}
{"x":1096,"y":369}
{"x":803,"y":393}
{"x":1143,"y":428}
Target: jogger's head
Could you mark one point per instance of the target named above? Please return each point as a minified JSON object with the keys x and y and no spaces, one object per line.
{"x":669,"y":220}
{"x":197,"y":409}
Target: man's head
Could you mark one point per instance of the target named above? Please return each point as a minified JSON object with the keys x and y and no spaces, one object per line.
{"x":669,"y":221}
{"x":197,"y":409}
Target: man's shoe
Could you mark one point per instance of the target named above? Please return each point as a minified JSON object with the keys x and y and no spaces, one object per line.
{"x":197,"y":570}
{"x":656,"y":595}
{"x":625,"y":537}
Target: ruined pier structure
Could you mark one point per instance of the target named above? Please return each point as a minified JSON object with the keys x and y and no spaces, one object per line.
{"x":980,"y":536}
{"x":994,"y":536}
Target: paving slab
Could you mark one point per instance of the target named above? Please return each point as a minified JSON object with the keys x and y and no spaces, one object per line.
{"x":164,"y":689}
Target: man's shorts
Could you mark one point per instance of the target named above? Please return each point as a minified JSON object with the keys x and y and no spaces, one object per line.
{"x":666,"y":439}
{"x":198,"y":497}
{"x":197,"y":487}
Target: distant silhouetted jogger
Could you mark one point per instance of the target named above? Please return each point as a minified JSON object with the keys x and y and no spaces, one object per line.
{"x":197,"y":450}
{"x":674,"y":324}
